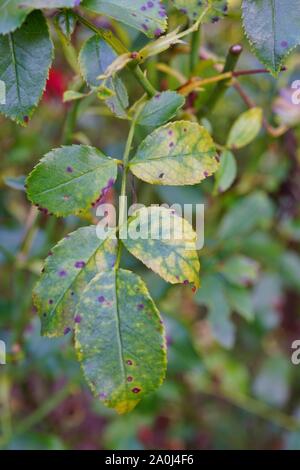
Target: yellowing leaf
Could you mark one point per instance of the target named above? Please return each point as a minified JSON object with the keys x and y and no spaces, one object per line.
{"x":164,"y":242}
{"x":120,"y":339}
{"x":245,"y":128}
{"x":70,"y":266}
{"x":179,"y":153}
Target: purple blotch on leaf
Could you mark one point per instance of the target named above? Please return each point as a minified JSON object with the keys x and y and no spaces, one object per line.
{"x":136,"y":390}
{"x":62,"y":273}
{"x":141,"y":306}
{"x":77,"y":319}
{"x":79,"y":264}
{"x":69,"y":169}
{"x":101,"y":299}
{"x":129,"y":362}
{"x":67,"y":330}
{"x":129,"y":379}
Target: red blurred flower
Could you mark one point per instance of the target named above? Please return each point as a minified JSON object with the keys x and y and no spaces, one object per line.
{"x":56,"y":85}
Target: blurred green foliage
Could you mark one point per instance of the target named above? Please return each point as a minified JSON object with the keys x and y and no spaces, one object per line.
{"x":230,"y":381}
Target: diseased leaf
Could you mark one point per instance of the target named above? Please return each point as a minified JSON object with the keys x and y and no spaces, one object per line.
{"x":179,"y":153}
{"x":271,"y":30}
{"x":11,"y":15}
{"x":70,"y":178}
{"x":160,"y":109}
{"x":165,"y":243}
{"x":240,"y":270}
{"x":227,"y":172}
{"x":245,"y":128}
{"x":148,"y":16}
{"x":120,"y":339}
{"x":70,"y":266}
{"x":193,"y":9}
{"x":25,"y":59}
{"x":94,"y":58}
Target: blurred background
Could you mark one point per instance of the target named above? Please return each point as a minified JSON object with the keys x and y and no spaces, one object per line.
{"x":231,"y":383}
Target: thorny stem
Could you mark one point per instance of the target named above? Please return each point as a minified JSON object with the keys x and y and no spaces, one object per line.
{"x":120,"y":49}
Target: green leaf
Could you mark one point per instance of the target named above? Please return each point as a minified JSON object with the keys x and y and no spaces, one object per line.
{"x":246,"y":214}
{"x":179,"y":153}
{"x":94,"y":58}
{"x":147,"y":16}
{"x":271,"y":30}
{"x":240,"y":300}
{"x":212,"y":294}
{"x":245,"y":128}
{"x":164,"y":242}
{"x":49,"y":4}
{"x":240,"y":270}
{"x":25,"y":58}
{"x":227,"y":172}
{"x":66,"y":21}
{"x":193,"y":9}
{"x":120,"y":339}
{"x":70,"y":266}
{"x":160,"y":109}
{"x":11,"y":15}
{"x":70,"y":178}
{"x":14,"y":12}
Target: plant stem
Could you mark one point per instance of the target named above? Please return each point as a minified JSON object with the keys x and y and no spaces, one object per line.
{"x":195,"y":46}
{"x":218,"y":91}
{"x":120,"y":49}
{"x":70,"y":121}
{"x":122,"y":208}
